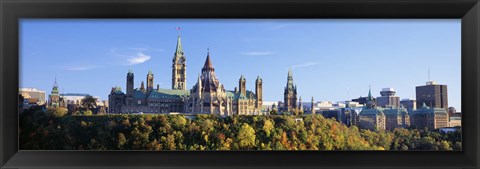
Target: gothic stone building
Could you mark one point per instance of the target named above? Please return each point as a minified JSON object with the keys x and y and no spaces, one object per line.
{"x":431,"y":118}
{"x":145,"y":100}
{"x":208,"y":95}
{"x":290,"y":93}
{"x":371,"y":117}
{"x":150,"y":100}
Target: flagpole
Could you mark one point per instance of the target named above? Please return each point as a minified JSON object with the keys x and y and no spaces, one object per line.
{"x":179,"y":32}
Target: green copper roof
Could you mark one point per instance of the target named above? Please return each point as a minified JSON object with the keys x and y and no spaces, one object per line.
{"x":395,"y":111}
{"x":374,"y":111}
{"x":238,"y":96}
{"x":426,"y":109}
{"x":242,"y":78}
{"x":179,"y":49}
{"x":161,"y":93}
{"x":258,"y":78}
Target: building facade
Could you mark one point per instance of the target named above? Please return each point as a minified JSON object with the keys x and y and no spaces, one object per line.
{"x":33,"y":95}
{"x":396,"y":118}
{"x":371,"y":117}
{"x":409,"y":104}
{"x":433,"y":95}
{"x":54,"y":96}
{"x":208,"y":95}
{"x":148,"y":99}
{"x":145,"y":100}
{"x":431,"y":118}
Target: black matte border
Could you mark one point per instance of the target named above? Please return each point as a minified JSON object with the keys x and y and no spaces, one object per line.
{"x":12,"y":10}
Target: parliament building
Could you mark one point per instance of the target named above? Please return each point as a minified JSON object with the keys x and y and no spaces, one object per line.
{"x":208,"y":95}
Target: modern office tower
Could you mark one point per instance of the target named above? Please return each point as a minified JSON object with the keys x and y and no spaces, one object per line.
{"x":433,"y":95}
{"x":387,"y":98}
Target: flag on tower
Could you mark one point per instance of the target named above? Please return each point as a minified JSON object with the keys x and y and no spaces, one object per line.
{"x":177,"y":28}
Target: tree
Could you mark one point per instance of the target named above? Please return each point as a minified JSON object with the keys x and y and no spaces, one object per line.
{"x":89,"y":102}
{"x":246,"y":136}
{"x":179,"y":121}
{"x":121,"y":141}
{"x":274,"y":112}
{"x":57,"y":112}
{"x":267,"y":127}
{"x":87,"y":113}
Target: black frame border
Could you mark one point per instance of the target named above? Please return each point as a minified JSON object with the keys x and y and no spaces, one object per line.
{"x":12,"y":10}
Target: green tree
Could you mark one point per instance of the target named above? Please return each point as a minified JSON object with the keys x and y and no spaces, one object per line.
{"x":273,"y":112}
{"x":179,"y":121}
{"x":89,"y":102}
{"x":246,"y":136}
{"x":57,"y":112}
{"x":267,"y":127}
{"x":121,"y":141}
{"x":87,"y":113}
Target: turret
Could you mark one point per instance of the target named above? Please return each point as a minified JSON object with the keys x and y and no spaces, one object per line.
{"x":242,"y":86}
{"x":130,"y":84}
{"x":199,"y":86}
{"x":142,"y":87}
{"x":259,"y":91}
{"x":149,"y":81}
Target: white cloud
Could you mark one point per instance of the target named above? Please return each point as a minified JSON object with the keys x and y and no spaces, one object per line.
{"x":138,"y":49}
{"x":79,"y":68}
{"x":139,"y":58}
{"x":304,"y":65}
{"x":257,"y":53}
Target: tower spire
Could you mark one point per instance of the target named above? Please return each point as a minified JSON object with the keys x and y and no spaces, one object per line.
{"x":208,"y":63}
{"x":179,"y":48}
{"x":55,"y":82}
{"x":369,"y":92}
{"x":290,"y":73}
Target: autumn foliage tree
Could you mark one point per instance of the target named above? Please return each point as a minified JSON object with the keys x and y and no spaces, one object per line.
{"x":52,"y":129}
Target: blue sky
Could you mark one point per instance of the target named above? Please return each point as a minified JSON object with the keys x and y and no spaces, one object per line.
{"x":332,"y":60}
